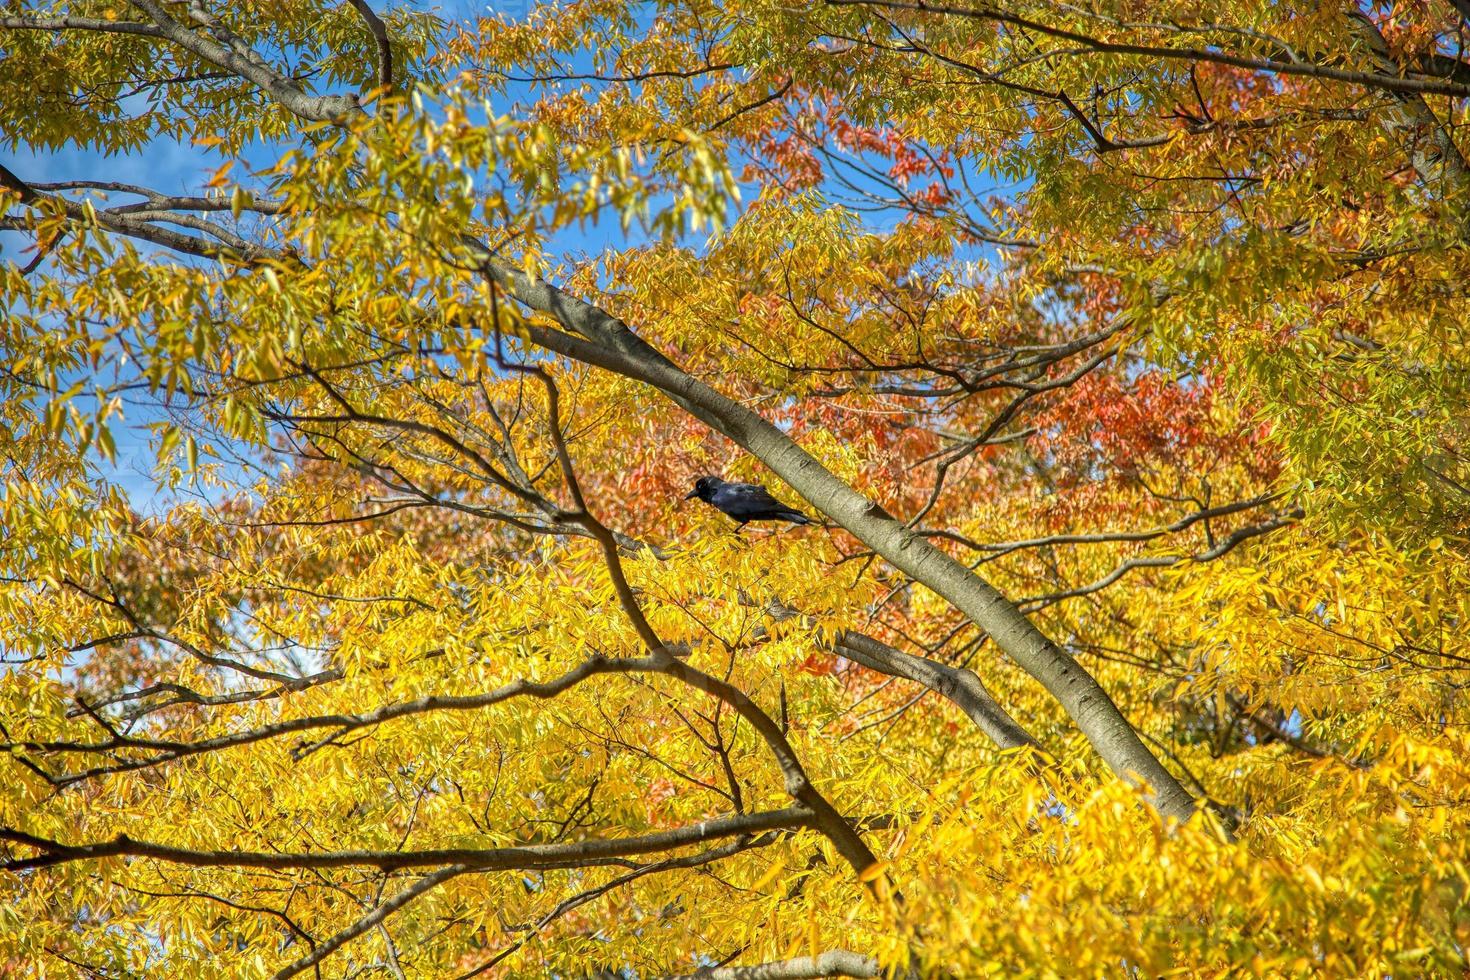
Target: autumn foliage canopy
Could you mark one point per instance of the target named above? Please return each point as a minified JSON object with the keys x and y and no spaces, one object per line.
{"x":352,"y":617}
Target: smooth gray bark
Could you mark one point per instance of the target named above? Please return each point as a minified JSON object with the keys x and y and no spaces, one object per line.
{"x":599,"y":339}
{"x":960,"y":685}
{"x":233,"y":55}
{"x":833,"y":963}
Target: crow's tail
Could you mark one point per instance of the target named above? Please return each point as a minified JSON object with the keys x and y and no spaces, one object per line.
{"x":795,"y":517}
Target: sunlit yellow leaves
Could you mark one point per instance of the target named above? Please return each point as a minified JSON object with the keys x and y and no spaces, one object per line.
{"x":353,"y":515}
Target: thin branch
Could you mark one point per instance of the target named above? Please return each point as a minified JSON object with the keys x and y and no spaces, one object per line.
{"x":379,"y":31}
{"x":592,"y":894}
{"x":1416,"y":85}
{"x":1165,"y":561}
{"x":531,"y":857}
{"x":371,"y":920}
{"x":343,"y":723}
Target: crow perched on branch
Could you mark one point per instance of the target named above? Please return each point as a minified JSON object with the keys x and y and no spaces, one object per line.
{"x":744,"y":502}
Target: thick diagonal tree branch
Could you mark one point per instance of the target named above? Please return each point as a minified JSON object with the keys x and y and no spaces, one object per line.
{"x":316,"y":108}
{"x":595,"y":337}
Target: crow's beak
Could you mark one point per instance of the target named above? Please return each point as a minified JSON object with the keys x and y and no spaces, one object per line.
{"x":691,"y":495}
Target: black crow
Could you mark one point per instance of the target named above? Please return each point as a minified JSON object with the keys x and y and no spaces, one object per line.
{"x":744,"y":502}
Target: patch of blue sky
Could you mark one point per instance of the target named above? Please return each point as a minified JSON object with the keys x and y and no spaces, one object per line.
{"x":857,"y":181}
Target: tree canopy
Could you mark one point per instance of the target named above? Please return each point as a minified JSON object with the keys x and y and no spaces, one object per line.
{"x":352,"y":617}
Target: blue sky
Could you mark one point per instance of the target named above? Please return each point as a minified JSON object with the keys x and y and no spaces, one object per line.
{"x":172,"y":167}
